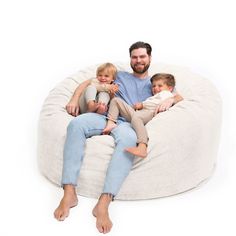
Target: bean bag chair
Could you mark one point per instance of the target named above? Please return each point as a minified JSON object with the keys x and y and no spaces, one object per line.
{"x":183,"y":141}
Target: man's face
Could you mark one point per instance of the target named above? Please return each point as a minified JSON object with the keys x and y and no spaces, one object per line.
{"x":140,"y":60}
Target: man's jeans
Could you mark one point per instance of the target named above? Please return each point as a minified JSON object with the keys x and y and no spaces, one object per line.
{"x":90,"y":124}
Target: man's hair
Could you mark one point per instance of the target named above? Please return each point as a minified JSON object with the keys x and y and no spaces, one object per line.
{"x":109,"y":68}
{"x":168,"y":79}
{"x":140,"y":44}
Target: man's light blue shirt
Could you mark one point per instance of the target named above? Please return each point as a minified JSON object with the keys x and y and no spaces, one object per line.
{"x":133,"y":89}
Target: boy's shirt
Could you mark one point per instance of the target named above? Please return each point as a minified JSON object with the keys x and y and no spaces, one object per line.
{"x":152,"y":102}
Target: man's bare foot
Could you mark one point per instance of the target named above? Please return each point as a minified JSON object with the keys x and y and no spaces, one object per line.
{"x":101,"y":109}
{"x":68,"y":201}
{"x":140,"y":150}
{"x":109,"y":127}
{"x":100,"y":211}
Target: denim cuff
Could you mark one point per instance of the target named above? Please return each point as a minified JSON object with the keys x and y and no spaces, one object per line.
{"x":110,"y":195}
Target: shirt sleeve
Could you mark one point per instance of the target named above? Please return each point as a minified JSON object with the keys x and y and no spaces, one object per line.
{"x":165,"y":94}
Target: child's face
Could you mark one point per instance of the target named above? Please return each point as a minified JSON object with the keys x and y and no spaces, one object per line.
{"x":105,"y":77}
{"x":159,"y":85}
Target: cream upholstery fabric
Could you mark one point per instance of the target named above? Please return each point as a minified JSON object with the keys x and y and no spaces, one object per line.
{"x":182,"y":148}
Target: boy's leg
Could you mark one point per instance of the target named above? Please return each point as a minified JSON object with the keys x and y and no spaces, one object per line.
{"x":80,"y":128}
{"x":117,"y":106}
{"x":103,"y":99}
{"x":118,"y":169}
{"x":82,"y":103}
{"x":112,"y":115}
{"x":90,"y":98}
{"x":138,"y":121}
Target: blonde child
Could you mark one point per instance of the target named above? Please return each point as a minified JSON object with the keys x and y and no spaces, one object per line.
{"x":162,"y":87}
{"x":96,"y":96}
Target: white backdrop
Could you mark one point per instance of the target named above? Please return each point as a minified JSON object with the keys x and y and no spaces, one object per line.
{"x":42,"y":42}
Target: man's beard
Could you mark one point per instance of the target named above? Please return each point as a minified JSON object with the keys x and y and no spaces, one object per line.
{"x":140,"y":71}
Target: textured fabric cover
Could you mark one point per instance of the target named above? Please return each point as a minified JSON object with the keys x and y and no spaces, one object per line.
{"x":183,"y":142}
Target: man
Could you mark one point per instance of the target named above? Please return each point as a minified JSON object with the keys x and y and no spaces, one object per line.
{"x":133,"y":87}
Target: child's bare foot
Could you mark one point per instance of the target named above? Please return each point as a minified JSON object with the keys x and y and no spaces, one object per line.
{"x":92,"y":106}
{"x":140,"y":150}
{"x":101,"y":109}
{"x":109,"y":127}
{"x":68,"y":201}
{"x":103,"y":222}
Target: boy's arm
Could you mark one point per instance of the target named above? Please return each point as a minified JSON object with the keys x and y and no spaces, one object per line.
{"x":73,"y":105}
{"x":102,"y":87}
{"x":167,"y":103}
{"x":107,"y":88}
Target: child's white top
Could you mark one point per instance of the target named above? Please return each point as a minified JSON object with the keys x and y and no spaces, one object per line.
{"x":152,"y":102}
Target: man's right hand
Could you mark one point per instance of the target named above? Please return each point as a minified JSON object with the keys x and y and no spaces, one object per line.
{"x":73,"y":108}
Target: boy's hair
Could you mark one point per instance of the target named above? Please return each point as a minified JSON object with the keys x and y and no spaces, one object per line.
{"x":168,"y":79}
{"x":109,"y":68}
{"x":140,"y":44}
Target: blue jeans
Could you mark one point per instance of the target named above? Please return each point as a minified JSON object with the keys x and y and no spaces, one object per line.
{"x":90,"y":124}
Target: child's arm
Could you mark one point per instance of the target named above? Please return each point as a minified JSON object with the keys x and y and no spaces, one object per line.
{"x":167,"y":103}
{"x":73,"y":106}
{"x":110,"y":88}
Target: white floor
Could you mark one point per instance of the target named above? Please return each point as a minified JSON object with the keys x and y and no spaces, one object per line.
{"x":42,"y":42}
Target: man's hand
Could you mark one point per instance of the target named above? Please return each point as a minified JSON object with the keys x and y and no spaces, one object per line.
{"x":73,"y":108}
{"x":165,"y":105}
{"x":138,"y":106}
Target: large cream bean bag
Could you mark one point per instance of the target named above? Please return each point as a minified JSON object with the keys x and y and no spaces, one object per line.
{"x":183,"y":141}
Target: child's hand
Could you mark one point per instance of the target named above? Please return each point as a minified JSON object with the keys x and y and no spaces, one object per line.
{"x":102,"y":108}
{"x":164,"y":105}
{"x":138,"y":106}
{"x":114,"y":88}
{"x":72,"y":108}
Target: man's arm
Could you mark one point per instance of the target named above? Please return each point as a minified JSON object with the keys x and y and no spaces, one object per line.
{"x":73,"y":106}
{"x":167,"y":103}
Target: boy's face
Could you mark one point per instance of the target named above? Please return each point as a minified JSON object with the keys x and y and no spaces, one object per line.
{"x":159,"y":85}
{"x":140,"y":60}
{"x":105,"y":77}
